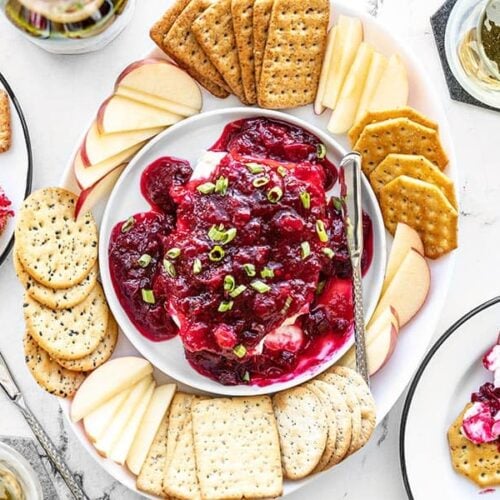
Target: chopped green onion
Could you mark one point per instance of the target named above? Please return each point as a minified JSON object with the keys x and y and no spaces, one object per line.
{"x":249,"y":269}
{"x":215,"y":234}
{"x":148,"y":296}
{"x":206,"y":188}
{"x":321,"y":287}
{"x":321,"y":151}
{"x":288,"y":303}
{"x":237,"y":291}
{"x":128,"y":225}
{"x":173,"y":253}
{"x":320,"y":229}
{"x":229,"y":235}
{"x":225,"y":306}
{"x":260,"y":181}
{"x":275,"y":194}
{"x":260,"y":286}
{"x":216,"y":254}
{"x":218,"y":234}
{"x":196,"y":266}
{"x":246,"y":377}
{"x":169,"y":268}
{"x":240,"y":351}
{"x":305,"y":250}
{"x":254,"y":168}
{"x":229,"y":283}
{"x":329,"y":252}
{"x":267,"y":272}
{"x":221,"y":185}
{"x":282,"y":170}
{"x":337,"y":203}
{"x":305,"y":198}
{"x":144,"y":260}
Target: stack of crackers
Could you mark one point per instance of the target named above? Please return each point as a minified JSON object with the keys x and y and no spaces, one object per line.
{"x":69,"y":328}
{"x":5,"y":126}
{"x":404,"y":159}
{"x":263,"y":51}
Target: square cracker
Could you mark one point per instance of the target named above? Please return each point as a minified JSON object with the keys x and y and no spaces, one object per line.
{"x":242,"y":11}
{"x":237,"y":448}
{"x":294,"y":52}
{"x":5,"y":126}
{"x":262,"y":10}
{"x":214,"y":31}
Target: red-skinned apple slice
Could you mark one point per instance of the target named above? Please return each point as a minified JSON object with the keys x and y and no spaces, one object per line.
{"x":119,"y":114}
{"x":98,"y":147}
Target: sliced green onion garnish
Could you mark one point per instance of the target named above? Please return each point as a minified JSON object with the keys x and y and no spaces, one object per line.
{"x":144,"y":260}
{"x":221,"y":185}
{"x":329,"y":252}
{"x":260,"y":286}
{"x":320,"y":229}
{"x":196,"y":266}
{"x":321,"y":287}
{"x":321,"y":151}
{"x":206,"y":188}
{"x":305,"y":250}
{"x":254,"y":168}
{"x":217,"y":253}
{"x":267,"y":272}
{"x":337,"y":203}
{"x":249,"y":269}
{"x":173,"y":253}
{"x":229,"y":283}
{"x":216,"y":234}
{"x":288,"y":303}
{"x":275,"y":194}
{"x":128,"y":225}
{"x":229,"y":236}
{"x":282,"y":170}
{"x":169,"y":268}
{"x":246,"y":377}
{"x":305,"y":198}
{"x":240,"y":351}
{"x":260,"y":181}
{"x":225,"y":306}
{"x":148,"y":296}
{"x":237,"y":291}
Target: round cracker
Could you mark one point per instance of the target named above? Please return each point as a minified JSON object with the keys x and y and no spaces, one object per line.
{"x":48,"y":374}
{"x":54,"y":248}
{"x":68,"y":333}
{"x":302,"y":429}
{"x":55,"y":299}
{"x":99,"y":356}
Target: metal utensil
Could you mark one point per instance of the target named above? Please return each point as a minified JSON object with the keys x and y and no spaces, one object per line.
{"x":350,"y":169}
{"x":8,"y":384}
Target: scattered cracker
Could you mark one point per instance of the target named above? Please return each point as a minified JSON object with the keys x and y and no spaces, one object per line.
{"x":54,"y":248}
{"x":418,"y":167}
{"x":237,"y":448}
{"x":380,"y":116}
{"x":399,"y":135}
{"x":97,"y":357}
{"x":423,"y":207}
{"x":294,"y":53}
{"x":5,"y":125}
{"x":68,"y":333}
{"x":242,"y":12}
{"x":303,"y":430}
{"x":262,"y":10}
{"x":48,"y":374}
{"x":214,"y":31}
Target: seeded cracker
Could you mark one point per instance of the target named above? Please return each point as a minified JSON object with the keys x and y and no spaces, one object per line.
{"x":68,"y":333}
{"x":237,"y":448}
{"x":54,"y":248}
{"x":294,"y":53}
{"x":214,"y":31}
{"x":262,"y":10}
{"x":5,"y":125}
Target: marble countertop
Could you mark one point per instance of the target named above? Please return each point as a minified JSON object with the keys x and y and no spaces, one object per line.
{"x":59,"y":95}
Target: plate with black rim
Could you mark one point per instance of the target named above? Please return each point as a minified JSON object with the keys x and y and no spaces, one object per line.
{"x":449,"y":373}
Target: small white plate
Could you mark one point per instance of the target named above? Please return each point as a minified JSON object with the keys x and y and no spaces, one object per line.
{"x":450,"y":372}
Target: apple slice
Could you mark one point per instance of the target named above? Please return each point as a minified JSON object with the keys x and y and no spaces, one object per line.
{"x":105,"y":443}
{"x":107,"y":381}
{"x":157,"y":409}
{"x":98,"y":147}
{"x":121,"y":447}
{"x":408,"y":289}
{"x":392,"y":89}
{"x":342,"y":118}
{"x":157,"y":78}
{"x":377,"y":67}
{"x":330,"y":44}
{"x":89,"y":197}
{"x":348,"y":37}
{"x":119,"y":114}
{"x":405,"y":238}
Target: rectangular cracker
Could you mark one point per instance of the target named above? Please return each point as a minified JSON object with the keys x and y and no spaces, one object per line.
{"x":179,"y":410}
{"x":160,"y":29}
{"x":5,"y":126}
{"x":262,"y":10}
{"x":237,"y":448}
{"x":214,"y":32}
{"x":294,"y":53}
{"x":242,"y":12}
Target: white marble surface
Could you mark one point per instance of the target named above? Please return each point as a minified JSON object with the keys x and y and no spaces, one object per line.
{"x":59,"y":95}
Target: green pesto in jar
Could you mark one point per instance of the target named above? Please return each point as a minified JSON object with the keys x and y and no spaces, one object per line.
{"x":490,"y":38}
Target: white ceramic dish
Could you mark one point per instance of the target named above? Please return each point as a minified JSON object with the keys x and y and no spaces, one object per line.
{"x":388,"y":385}
{"x":450,"y":372}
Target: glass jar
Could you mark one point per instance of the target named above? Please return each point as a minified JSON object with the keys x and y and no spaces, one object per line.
{"x":69,"y":26}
